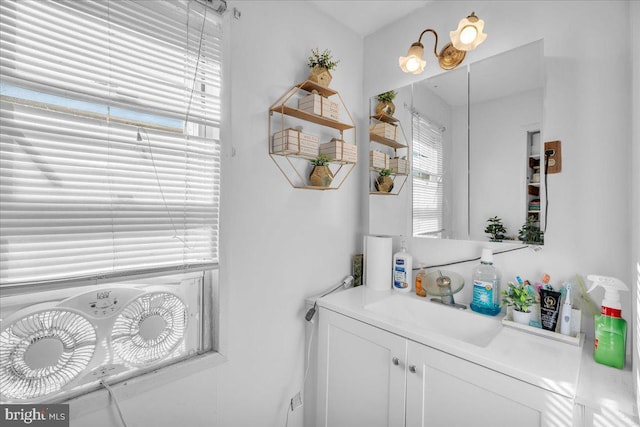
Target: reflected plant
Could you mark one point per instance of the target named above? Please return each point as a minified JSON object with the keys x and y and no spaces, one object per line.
{"x":530,"y":233}
{"x":386,"y":96}
{"x":495,"y":229}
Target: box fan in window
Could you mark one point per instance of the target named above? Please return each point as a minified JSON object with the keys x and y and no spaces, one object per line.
{"x":57,"y":344}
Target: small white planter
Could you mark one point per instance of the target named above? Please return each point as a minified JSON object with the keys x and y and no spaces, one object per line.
{"x":521,"y":317}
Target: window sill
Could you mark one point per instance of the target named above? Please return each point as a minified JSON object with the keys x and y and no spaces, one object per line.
{"x":99,"y":399}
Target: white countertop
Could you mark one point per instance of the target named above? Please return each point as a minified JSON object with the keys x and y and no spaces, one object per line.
{"x":601,"y":386}
{"x":548,"y":364}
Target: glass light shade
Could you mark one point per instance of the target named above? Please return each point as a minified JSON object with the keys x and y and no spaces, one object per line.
{"x":413,"y":62}
{"x":469,"y":33}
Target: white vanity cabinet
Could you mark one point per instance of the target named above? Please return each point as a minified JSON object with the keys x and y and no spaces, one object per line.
{"x":370,"y":377}
{"x":444,"y":390}
{"x":361,"y":378}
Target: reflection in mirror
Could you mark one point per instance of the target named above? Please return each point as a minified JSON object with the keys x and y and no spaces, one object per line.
{"x":391,"y":215}
{"x":439,"y":152}
{"x":489,"y":114}
{"x":505,"y":114}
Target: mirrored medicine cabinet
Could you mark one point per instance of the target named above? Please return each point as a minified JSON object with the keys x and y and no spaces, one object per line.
{"x":474,"y":136}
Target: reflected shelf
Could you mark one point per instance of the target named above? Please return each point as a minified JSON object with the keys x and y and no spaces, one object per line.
{"x":386,"y":141}
{"x":384,"y":118}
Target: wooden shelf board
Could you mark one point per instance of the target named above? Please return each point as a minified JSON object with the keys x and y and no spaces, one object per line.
{"x":376,"y":170}
{"x":385,"y":118}
{"x":309,"y":157}
{"x":311,"y":187}
{"x":534,"y":184}
{"x":381,"y":193}
{"x":323,"y":121}
{"x":386,"y":141}
{"x":296,"y":155}
{"x":310,"y":86}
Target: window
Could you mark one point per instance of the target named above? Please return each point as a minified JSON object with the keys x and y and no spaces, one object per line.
{"x":428,"y":177}
{"x":110,"y":138}
{"x":110,"y":145}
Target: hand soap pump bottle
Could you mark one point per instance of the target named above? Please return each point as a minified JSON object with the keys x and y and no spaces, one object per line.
{"x":610,"y":327}
{"x":420,"y":281}
{"x":402,"y":270}
{"x":486,"y":286}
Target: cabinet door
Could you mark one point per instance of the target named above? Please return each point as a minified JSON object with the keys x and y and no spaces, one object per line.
{"x":361,"y":374}
{"x":443,"y":391}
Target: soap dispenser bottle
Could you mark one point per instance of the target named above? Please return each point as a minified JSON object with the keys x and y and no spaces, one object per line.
{"x":610,"y":327}
{"x":421,"y":282}
{"x":402,"y":270}
{"x":486,"y":286}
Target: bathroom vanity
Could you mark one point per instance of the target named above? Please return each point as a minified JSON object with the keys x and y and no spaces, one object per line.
{"x":390,"y":359}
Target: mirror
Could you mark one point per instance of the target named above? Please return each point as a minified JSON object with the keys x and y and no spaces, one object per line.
{"x":484,"y":119}
{"x":506,"y":94}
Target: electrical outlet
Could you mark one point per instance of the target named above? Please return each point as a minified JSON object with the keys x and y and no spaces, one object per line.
{"x":553,"y":154}
{"x":296,"y":401}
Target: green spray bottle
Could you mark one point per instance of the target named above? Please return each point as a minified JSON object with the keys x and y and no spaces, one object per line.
{"x":610,"y":327}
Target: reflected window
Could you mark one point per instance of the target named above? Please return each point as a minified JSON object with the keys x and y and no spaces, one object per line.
{"x":428,"y":179}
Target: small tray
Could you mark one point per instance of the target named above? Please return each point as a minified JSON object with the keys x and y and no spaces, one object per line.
{"x":574,"y":338}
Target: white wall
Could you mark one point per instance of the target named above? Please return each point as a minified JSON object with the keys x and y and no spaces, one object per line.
{"x":281,"y":244}
{"x":634,"y":19}
{"x":586,"y":107}
{"x":278,"y":244}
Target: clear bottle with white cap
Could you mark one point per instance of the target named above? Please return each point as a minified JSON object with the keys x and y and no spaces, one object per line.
{"x":486,"y":286}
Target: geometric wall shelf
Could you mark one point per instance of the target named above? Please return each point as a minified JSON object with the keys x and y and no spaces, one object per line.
{"x":307,"y":112}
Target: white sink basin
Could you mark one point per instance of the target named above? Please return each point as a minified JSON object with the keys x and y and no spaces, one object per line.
{"x":463,"y":325}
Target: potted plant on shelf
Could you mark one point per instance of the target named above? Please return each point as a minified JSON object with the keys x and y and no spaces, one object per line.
{"x":495,"y":229}
{"x":385,"y":103}
{"x":321,"y":64}
{"x":530,"y":233}
{"x":321,"y":175}
{"x":384,"y":181}
{"x":521,"y":297}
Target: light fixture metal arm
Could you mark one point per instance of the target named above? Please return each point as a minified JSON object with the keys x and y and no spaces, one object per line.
{"x":435,"y":46}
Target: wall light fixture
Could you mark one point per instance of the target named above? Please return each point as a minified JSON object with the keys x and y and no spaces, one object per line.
{"x":466,"y":37}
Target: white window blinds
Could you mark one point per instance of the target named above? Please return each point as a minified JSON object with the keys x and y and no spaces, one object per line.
{"x":110,"y":150}
{"x":428,"y":177}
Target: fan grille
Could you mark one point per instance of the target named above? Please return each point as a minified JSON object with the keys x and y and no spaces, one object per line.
{"x":77,"y":336}
{"x":138,"y":347}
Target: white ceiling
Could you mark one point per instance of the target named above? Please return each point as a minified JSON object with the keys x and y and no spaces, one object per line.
{"x":366,"y":17}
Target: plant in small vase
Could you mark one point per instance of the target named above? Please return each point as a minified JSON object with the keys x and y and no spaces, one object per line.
{"x":321,"y":63}
{"x":495,"y":229}
{"x":321,"y":175}
{"x":385,"y":103}
{"x":521,"y":297}
{"x":384,"y":181}
{"x":530,"y":233}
